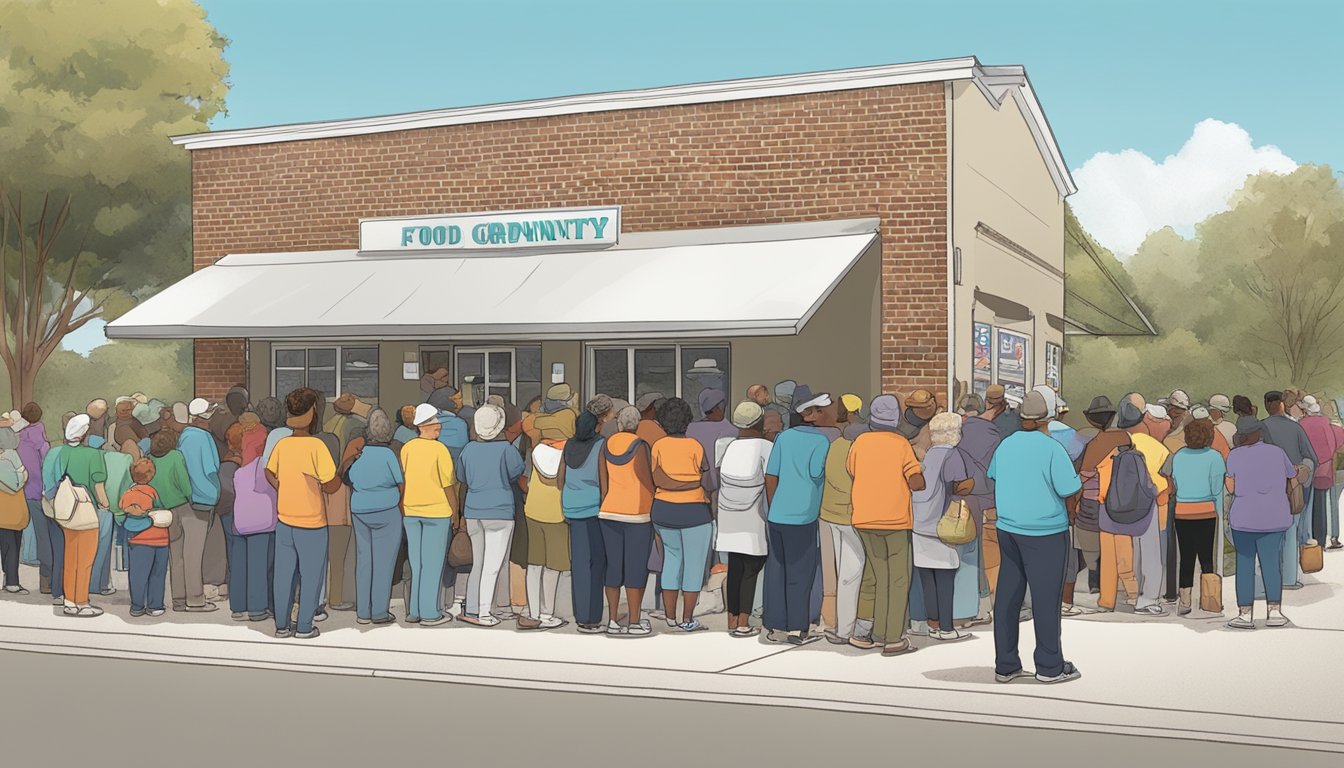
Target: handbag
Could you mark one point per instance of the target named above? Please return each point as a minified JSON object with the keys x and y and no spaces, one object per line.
{"x":73,"y":508}
{"x":459,"y":549}
{"x":161,"y":518}
{"x":13,"y":511}
{"x":1311,"y":556}
{"x":956,"y":527}
{"x":1211,"y":593}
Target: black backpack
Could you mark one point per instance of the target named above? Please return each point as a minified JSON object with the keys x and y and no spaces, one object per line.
{"x":1132,"y":493}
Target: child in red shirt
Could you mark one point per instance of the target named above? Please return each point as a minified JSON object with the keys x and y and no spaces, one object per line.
{"x":147,"y":529}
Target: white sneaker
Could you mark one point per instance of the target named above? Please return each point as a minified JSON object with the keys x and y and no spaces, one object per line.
{"x":642,"y":629}
{"x":951,"y":636}
{"x":1242,"y":621}
{"x":551,"y":622}
{"x":614,"y":628}
{"x":920,"y":629}
{"x":1276,"y":618}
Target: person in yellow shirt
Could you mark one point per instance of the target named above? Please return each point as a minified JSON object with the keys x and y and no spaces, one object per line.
{"x":428,"y":504}
{"x":1146,"y":535}
{"x":301,"y":470}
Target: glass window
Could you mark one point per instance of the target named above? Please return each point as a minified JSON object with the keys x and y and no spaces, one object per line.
{"x":611,"y":373}
{"x":704,"y":368}
{"x":359,"y":372}
{"x":290,"y":358}
{"x":432,"y":360}
{"x":287,"y":380}
{"x":656,"y":371}
{"x":527,"y":362}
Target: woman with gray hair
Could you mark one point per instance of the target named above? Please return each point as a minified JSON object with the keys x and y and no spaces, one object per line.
{"x":625,"y":479}
{"x":491,"y":466}
{"x":13,"y":478}
{"x":374,"y":475}
{"x":948,"y":475}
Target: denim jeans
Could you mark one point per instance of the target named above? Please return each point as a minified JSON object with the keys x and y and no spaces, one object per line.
{"x":966,"y":592}
{"x":1265,"y":549}
{"x":1038,"y":561}
{"x":588,"y":566}
{"x":685,"y":555}
{"x":147,"y":572}
{"x":427,"y":550}
{"x":251,"y":571}
{"x":300,"y":566}
{"x":101,"y":578}
{"x":41,"y":528}
{"x":790,"y":573}
{"x":1287,"y":563}
{"x":377,"y":539}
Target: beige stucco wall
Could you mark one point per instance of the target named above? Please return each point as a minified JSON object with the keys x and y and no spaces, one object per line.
{"x":1000,"y":178}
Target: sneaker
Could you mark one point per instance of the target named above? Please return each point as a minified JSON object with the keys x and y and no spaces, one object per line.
{"x":444,"y":618}
{"x":1335,"y":544}
{"x":308,"y":635}
{"x":412,"y":619}
{"x":156,"y":612}
{"x":57,"y":600}
{"x":528,"y":623}
{"x":863,"y":643}
{"x":591,"y":629}
{"x":239,"y":616}
{"x":70,"y":610}
{"x":693,"y":625}
{"x":108,"y":591}
{"x":362,"y":620}
{"x":1011,"y":676}
{"x":1069,"y":672}
{"x":1295,"y":585}
{"x":260,"y":617}
{"x":343,"y":607}
{"x":388,"y":619}
{"x":1276,"y":618}
{"x":207,"y":608}
{"x":898,"y":648}
{"x":614,"y":628}
{"x":552,"y":622}
{"x":777,"y":636}
{"x":1151,"y":610}
{"x":803,"y":638}
{"x":919,"y":628}
{"x":1184,"y":610}
{"x":835,"y":639}
{"x":1242,"y":621}
{"x":742,"y":632}
{"x":1071,"y":610}
{"x":978,"y":621}
{"x":15,"y":589}
{"x":136,"y":614}
{"x":320,"y":616}
{"x":481,"y":621}
{"x":951,"y":636}
{"x":90,"y":611}
{"x":285,"y":633}
{"x":671,"y":623}
{"x":642,"y":629}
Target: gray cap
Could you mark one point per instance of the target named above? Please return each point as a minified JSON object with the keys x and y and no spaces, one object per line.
{"x":884,"y":411}
{"x":647,"y":399}
{"x":1249,"y":425}
{"x":1034,"y":407}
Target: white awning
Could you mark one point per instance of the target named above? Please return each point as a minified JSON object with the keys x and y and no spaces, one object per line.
{"x":738,"y":281}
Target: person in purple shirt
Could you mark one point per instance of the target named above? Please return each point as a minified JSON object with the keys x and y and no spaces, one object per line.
{"x":1257,"y":476}
{"x":33,"y":448}
{"x":708,"y":431}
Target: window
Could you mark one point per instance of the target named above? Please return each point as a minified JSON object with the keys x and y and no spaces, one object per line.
{"x":1012,"y":362}
{"x":1053,"y":360}
{"x":317,"y":367}
{"x":513,"y":373}
{"x":672,"y":370}
{"x":982,"y":361}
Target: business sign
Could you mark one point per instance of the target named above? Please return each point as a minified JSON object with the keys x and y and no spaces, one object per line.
{"x":982,"y":359}
{"x":551,"y":228}
{"x":1012,"y":360}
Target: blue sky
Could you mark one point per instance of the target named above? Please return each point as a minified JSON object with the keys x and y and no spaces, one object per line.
{"x":1112,"y":76}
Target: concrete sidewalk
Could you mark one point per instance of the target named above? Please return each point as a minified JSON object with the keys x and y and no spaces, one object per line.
{"x":1165,"y":677}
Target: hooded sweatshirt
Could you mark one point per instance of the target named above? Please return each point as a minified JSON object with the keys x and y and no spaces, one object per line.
{"x":33,"y":448}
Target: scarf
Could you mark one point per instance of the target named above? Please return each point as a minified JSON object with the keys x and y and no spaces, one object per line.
{"x":302,"y":421}
{"x":578,"y":449}
{"x":911,"y":424}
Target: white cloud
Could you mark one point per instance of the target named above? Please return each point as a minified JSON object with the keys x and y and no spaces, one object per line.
{"x":1124,"y":196}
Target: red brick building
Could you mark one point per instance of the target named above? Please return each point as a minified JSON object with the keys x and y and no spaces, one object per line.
{"x":865,"y":230}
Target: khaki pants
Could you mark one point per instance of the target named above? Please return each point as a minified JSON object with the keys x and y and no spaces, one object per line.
{"x":186,"y":555}
{"x":828,"y":578}
{"x":339,"y":538}
{"x":889,"y":552}
{"x":1117,"y":566}
{"x":989,"y":540}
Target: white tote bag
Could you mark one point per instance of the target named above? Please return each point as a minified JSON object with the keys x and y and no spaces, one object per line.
{"x":73,"y":508}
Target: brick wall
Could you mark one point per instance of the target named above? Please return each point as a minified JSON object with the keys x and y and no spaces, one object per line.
{"x":875,"y":152}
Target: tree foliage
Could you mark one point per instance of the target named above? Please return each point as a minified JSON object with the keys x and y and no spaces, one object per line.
{"x":96,"y":201}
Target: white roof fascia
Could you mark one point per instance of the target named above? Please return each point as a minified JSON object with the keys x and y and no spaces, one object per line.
{"x":1030,"y":107}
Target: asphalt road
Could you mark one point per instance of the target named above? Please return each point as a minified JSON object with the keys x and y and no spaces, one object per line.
{"x":80,"y":711}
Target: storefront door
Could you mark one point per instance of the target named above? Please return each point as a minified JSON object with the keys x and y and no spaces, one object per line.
{"x":513,"y":373}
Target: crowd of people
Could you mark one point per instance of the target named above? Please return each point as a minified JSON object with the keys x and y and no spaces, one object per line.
{"x":862,"y":524}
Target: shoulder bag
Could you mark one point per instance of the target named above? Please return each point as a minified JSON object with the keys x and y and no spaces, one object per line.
{"x":956,"y":527}
{"x":13,"y":511}
{"x":73,"y":508}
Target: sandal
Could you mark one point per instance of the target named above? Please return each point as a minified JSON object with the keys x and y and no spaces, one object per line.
{"x":745,"y":632}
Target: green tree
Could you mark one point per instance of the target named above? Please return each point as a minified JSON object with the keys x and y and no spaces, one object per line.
{"x":95,"y":200}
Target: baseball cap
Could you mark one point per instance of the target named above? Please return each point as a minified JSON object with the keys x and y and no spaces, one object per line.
{"x":424,"y":414}
{"x":747,"y":414}
{"x":1220,"y":403}
{"x":853,"y":403}
{"x":200,"y":407}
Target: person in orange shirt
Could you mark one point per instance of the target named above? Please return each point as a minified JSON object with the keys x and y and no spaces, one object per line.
{"x":681,"y":513}
{"x":1145,"y":534}
{"x":625,"y":514}
{"x":302,"y":471}
{"x":886,"y":475}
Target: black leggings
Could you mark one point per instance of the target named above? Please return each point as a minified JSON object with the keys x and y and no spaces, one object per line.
{"x":1195,"y":538}
{"x":10,"y":546}
{"x":937,"y":583}
{"x":743,"y":570}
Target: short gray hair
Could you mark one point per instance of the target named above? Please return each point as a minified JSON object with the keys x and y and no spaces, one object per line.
{"x":379,"y":431}
{"x":945,"y":429}
{"x":628,"y":419}
{"x":599,"y":405}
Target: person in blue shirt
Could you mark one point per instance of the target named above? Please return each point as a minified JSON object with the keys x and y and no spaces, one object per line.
{"x":455,"y":433}
{"x":1036,"y":494}
{"x":376,"y":481}
{"x":794,"y":477}
{"x":187,"y":542}
{"x":491,"y":468}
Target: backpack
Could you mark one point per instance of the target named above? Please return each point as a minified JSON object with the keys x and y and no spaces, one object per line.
{"x":254,"y":502}
{"x":1132,"y":493}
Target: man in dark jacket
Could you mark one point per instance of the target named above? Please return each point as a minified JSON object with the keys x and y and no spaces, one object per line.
{"x":1288,"y":434}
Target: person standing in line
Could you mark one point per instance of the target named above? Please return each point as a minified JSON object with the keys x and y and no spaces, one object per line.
{"x":794,"y":480}
{"x":148,"y":562}
{"x":973,"y":584}
{"x":1224,"y":420}
{"x":251,"y":524}
{"x":1148,"y":565}
{"x":920,"y":408}
{"x":1197,"y":474}
{"x":429,"y":502}
{"x":1000,"y":411}
{"x":229,"y":464}
{"x":935,"y":561}
{"x":172,"y":486}
{"x":1281,"y":430}
{"x":236,"y":403}
{"x":886,"y":474}
{"x":97,"y":413}
{"x":405,"y":431}
{"x":13,"y":478}
{"x":85,"y":467}
{"x":376,"y":482}
{"x":302,"y":472}
{"x":547,"y":534}
{"x":1259,"y":476}
{"x":1327,"y":440}
{"x":782,"y":404}
{"x":1103,"y":570}
{"x":191,"y":525}
{"x":1035,"y":493}
{"x":580,"y":499}
{"x":742,"y":463}
{"x":625,"y":475}
{"x":681,"y":513}
{"x":33,"y":449}
{"x":849,"y":577}
{"x":491,"y":469}
{"x":649,"y":430}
